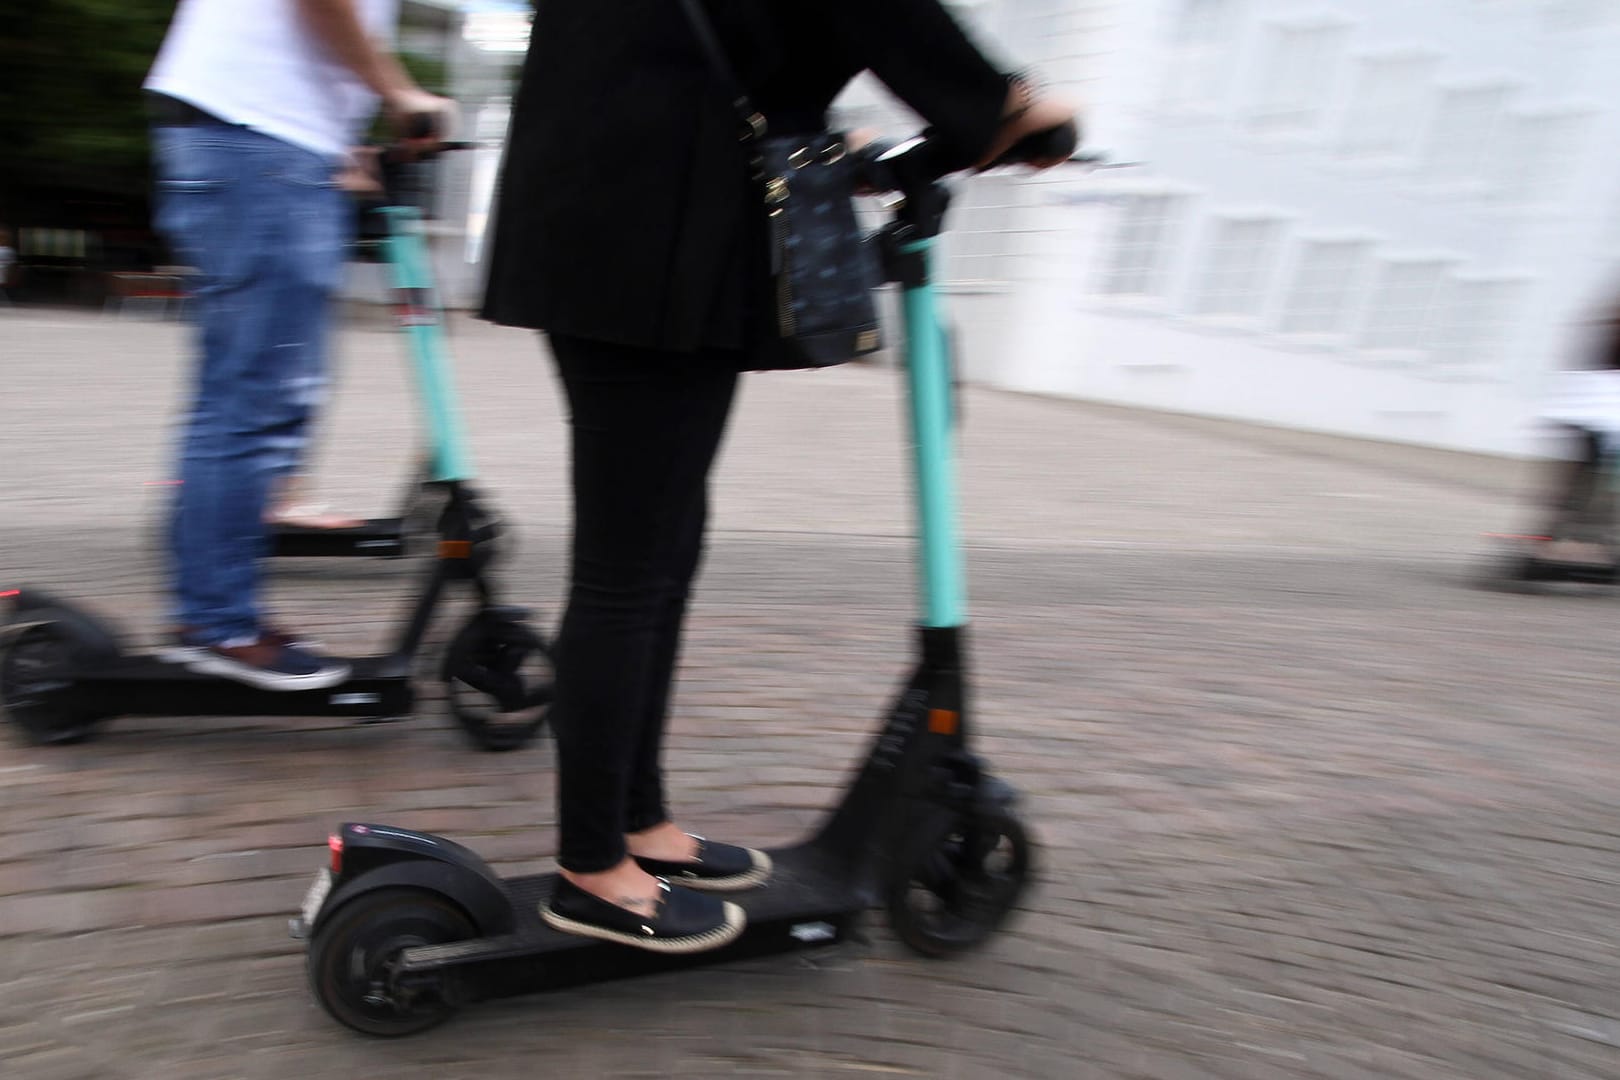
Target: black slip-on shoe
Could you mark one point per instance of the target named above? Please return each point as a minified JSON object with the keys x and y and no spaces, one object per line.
{"x":685,"y":921}
{"x":717,"y":868}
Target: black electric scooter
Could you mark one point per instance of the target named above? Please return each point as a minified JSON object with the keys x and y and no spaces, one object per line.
{"x":63,"y":670}
{"x":404,"y":927}
{"x":1589,"y":519}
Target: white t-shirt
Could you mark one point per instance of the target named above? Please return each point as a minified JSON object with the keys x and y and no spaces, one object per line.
{"x":1587,"y":399}
{"x":257,"y":64}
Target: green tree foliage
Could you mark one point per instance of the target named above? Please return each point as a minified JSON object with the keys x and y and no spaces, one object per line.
{"x":70,"y":105}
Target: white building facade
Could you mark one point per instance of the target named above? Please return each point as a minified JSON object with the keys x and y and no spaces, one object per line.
{"x":1379,"y":218}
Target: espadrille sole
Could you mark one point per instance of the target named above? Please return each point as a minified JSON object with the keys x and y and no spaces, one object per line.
{"x":756,"y":875}
{"x":721,"y":935}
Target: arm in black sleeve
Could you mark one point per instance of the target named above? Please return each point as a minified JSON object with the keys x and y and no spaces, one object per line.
{"x":920,"y":52}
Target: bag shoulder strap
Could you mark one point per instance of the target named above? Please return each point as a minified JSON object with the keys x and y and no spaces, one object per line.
{"x":753,"y":123}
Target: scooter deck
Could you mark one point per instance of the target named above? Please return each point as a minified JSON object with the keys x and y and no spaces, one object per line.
{"x":144,"y":685}
{"x":809,"y":902}
{"x":379,"y":538}
{"x":1537,"y":571}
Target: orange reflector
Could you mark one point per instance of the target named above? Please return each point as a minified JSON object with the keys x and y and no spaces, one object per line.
{"x":942,"y":721}
{"x":455,"y":549}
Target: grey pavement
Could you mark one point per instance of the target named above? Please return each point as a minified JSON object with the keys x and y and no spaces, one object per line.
{"x":1309,"y":803}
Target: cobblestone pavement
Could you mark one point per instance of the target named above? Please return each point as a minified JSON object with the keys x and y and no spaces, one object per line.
{"x":1310,"y":804}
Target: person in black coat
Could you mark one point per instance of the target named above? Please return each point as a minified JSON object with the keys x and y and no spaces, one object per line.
{"x":627,"y":230}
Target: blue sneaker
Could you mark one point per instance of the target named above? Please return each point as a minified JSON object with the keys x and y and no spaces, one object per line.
{"x":271,"y":661}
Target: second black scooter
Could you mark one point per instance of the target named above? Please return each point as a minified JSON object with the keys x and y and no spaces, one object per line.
{"x":63,"y":670}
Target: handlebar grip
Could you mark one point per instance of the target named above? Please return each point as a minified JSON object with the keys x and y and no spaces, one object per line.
{"x":1050,"y":145}
{"x":421,"y":126}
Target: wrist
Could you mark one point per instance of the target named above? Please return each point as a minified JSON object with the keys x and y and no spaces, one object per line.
{"x":1021,"y":95}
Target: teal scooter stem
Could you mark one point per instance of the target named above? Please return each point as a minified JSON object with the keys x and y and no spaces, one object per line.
{"x":928,"y":374}
{"x":412,"y":276}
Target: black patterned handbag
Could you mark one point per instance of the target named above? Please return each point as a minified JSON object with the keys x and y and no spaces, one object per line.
{"x":823,"y":271}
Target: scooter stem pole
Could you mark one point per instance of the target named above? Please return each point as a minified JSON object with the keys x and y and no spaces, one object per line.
{"x":424,"y":329}
{"x":944,"y":588}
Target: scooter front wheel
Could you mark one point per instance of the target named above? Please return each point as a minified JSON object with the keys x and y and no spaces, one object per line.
{"x":36,"y":665}
{"x":958,"y":878}
{"x":498,"y":676}
{"x":354,"y":961}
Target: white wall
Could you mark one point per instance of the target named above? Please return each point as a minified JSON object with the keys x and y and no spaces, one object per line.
{"x":1457,"y":259}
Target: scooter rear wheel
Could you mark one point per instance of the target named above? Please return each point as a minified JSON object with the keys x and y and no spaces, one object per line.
{"x":498,"y":677}
{"x":354,"y":960}
{"x":36,"y":663}
{"x":958,"y":879}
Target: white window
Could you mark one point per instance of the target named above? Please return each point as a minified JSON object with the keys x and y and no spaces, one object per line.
{"x":1386,"y":106}
{"x":1538,"y":155}
{"x":1140,"y":257}
{"x":1296,"y":76}
{"x":980,"y":242}
{"x":1326,"y":276}
{"x":1201,"y":39}
{"x":1202,"y":21}
{"x":1401,"y":313}
{"x":1577,"y":14}
{"x":1063,"y":36}
{"x":1237,"y":266}
{"x":1463,"y":137}
{"x":1476,"y":316}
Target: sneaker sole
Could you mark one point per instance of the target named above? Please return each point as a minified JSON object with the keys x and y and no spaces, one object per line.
{"x":693,"y":943}
{"x":758,"y":875}
{"x":204,"y":662}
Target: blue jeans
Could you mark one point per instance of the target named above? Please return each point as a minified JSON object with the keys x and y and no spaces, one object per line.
{"x":263,"y":224}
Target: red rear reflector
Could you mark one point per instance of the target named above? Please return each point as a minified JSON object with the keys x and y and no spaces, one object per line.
{"x":334,"y":843}
{"x":9,"y":593}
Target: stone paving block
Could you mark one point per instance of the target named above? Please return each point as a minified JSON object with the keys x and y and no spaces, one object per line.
{"x":58,"y":1064}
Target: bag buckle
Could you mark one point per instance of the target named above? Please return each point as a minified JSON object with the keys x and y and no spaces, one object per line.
{"x":830,"y":154}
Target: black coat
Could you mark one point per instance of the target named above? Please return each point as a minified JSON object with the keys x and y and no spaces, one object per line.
{"x":625,"y":213}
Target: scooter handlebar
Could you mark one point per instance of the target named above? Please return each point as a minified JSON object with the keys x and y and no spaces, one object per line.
{"x":1053,"y":144}
{"x":399,"y":152}
{"x":918,"y":162}
{"x":420,"y":126}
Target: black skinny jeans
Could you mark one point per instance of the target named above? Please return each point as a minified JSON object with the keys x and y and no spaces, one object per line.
{"x":646,"y":425}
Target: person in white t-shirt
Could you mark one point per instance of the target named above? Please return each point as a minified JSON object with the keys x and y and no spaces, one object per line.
{"x":1584,"y":405}
{"x":254,"y":107}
